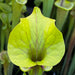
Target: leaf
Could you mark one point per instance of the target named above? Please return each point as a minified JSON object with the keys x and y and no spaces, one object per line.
{"x":36,"y":41}
{"x":1,"y":0}
{"x":6,"y":19}
{"x":3,"y":17}
{"x":5,"y":8}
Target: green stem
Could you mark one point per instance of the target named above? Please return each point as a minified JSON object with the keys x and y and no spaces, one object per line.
{"x":24,"y":73}
{"x":0,"y":50}
{"x":47,"y":7}
{"x":69,"y":53}
{"x":61,"y":18}
{"x":10,"y":69}
{"x":71,"y":24}
{"x":2,"y":39}
{"x":62,"y":70}
{"x":72,"y":66}
{"x":0,"y":69}
{"x":37,"y":70}
{"x":17,"y":8}
{"x":5,"y":70}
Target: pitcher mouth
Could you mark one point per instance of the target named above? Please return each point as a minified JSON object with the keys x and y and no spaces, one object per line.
{"x":67,"y":5}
